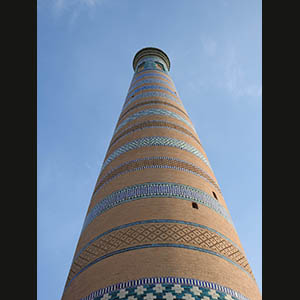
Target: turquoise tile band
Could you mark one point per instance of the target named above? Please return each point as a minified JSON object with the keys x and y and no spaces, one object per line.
{"x":151,"y":112}
{"x":155,"y":190}
{"x":154,"y":141}
{"x":167,"y":288}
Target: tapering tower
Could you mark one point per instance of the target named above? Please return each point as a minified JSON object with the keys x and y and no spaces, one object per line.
{"x":157,"y":226}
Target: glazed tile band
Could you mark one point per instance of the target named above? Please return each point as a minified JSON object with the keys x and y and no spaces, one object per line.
{"x":158,"y":233}
{"x":151,"y":102}
{"x":151,"y":112}
{"x":153,"y":124}
{"x":151,"y":95}
{"x":153,"y":245}
{"x":154,"y":162}
{"x":166,"y":288}
{"x":211,"y":231}
{"x":155,"y":190}
{"x":151,"y":60}
{"x":150,"y":87}
{"x":150,"y":74}
{"x":149,"y":81}
{"x":154,"y":141}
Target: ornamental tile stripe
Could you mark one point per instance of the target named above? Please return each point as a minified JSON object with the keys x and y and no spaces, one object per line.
{"x":157,"y":221}
{"x":150,"y":64}
{"x":150,"y":80}
{"x":155,"y":190}
{"x":154,"y":245}
{"x":154,"y":162}
{"x":150,"y":112}
{"x":153,"y":124}
{"x":152,"y":58}
{"x":151,"y":95}
{"x":151,"y":102}
{"x":150,"y":74}
{"x":148,"y":87}
{"x":154,"y":141}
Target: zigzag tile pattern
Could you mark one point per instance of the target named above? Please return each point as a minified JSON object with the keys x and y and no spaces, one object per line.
{"x":153,"y":124}
{"x":155,"y":141}
{"x":154,"y":162}
{"x":151,"y":112}
{"x":153,"y":94}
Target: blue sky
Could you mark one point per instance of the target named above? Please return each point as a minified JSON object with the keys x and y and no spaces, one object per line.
{"x":84,"y":68}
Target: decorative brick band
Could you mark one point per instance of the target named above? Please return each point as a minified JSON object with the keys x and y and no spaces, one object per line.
{"x":150,"y":87}
{"x":154,"y":141}
{"x":180,"y":223}
{"x":154,"y":124}
{"x":157,"y":233}
{"x":168,"y":288}
{"x":151,"y":95}
{"x":149,"y":81}
{"x":150,"y":74}
{"x":154,"y":162}
{"x":151,"y":112}
{"x":151,"y":102}
{"x":155,"y":190}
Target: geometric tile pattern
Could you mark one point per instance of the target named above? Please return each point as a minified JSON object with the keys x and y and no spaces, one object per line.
{"x":155,"y":190}
{"x":150,"y":63}
{"x":154,"y":124}
{"x":150,"y":141}
{"x":154,"y":162}
{"x":181,"y":224}
{"x":151,"y":95}
{"x":157,"y":233}
{"x":154,"y":74}
{"x":152,"y":111}
{"x":149,"y":87}
{"x":145,"y":81}
{"x":151,"y":102}
{"x":169,"y":288}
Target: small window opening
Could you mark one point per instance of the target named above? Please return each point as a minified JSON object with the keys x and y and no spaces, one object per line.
{"x":195,"y":205}
{"x":215,"y":195}
{"x":132,"y":96}
{"x":141,"y":67}
{"x":159,"y":66}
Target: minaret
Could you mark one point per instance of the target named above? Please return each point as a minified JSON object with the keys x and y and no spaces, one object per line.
{"x":157,"y":226}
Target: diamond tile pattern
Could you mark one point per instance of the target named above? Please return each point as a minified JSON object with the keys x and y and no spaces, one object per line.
{"x":153,"y":233}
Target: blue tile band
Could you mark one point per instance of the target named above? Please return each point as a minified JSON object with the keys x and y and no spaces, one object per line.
{"x":151,"y":112}
{"x":151,"y":102}
{"x":154,"y":162}
{"x":154,"y":124}
{"x":152,"y":94}
{"x":149,"y":81}
{"x":155,"y":221}
{"x":154,"y":141}
{"x":155,"y":190}
{"x":150,"y":63}
{"x":150,"y":74}
{"x":150,"y":87}
{"x":168,"y":288}
{"x":156,"y":245}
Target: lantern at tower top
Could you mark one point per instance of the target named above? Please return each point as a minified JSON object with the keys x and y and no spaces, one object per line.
{"x":151,"y":58}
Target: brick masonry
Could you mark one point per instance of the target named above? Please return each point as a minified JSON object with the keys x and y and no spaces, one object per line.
{"x":157,"y":226}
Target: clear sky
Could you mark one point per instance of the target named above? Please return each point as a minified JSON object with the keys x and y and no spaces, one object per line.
{"x":85,"y":52}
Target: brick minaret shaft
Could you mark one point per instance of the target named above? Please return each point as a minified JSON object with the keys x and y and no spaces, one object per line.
{"x":157,"y":226}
